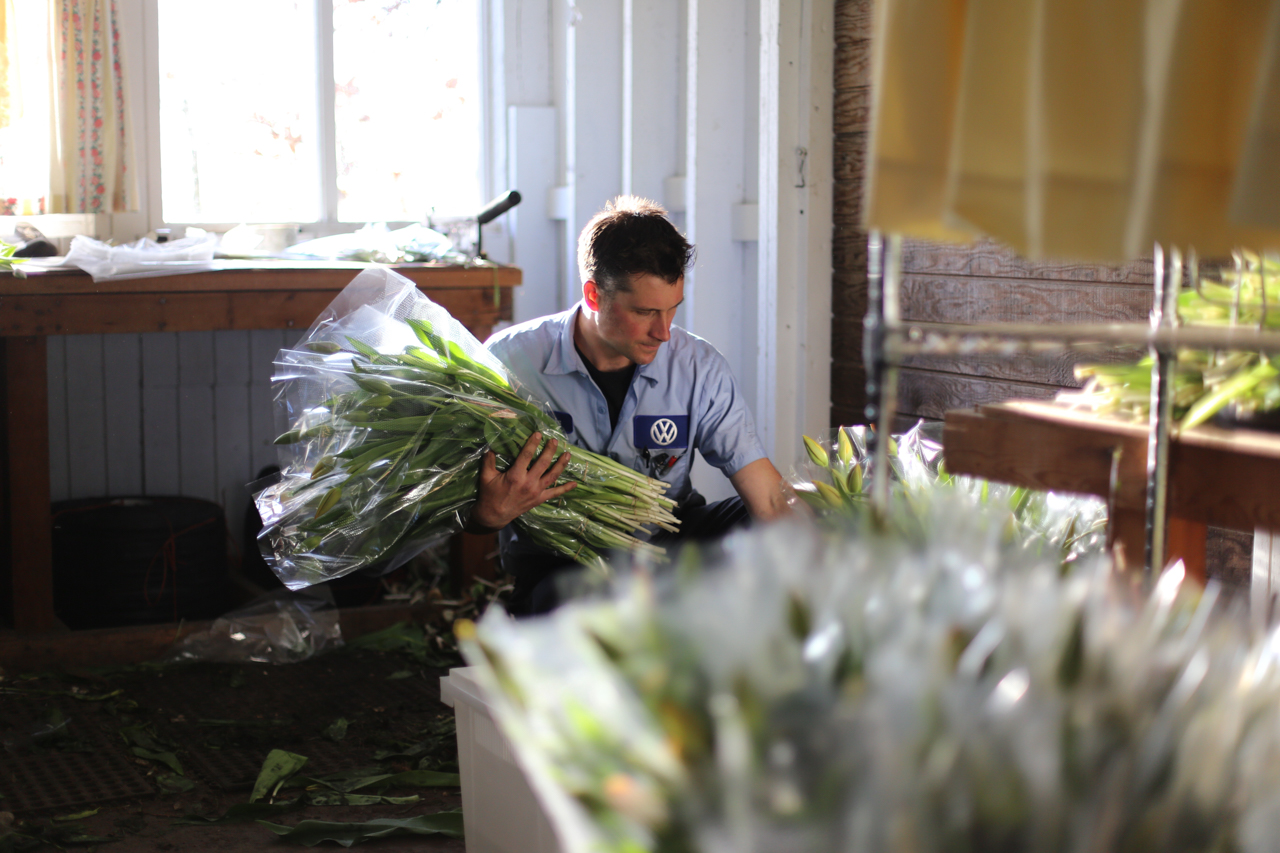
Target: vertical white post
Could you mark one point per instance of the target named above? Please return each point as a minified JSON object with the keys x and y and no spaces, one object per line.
{"x":714,"y":172}
{"x":496,"y":171}
{"x":147,"y":133}
{"x":525,"y":59}
{"x":326,"y":116}
{"x":531,"y":152}
{"x":628,"y":90}
{"x":796,"y":154}
{"x":719,"y":290}
{"x":651,"y":120}
{"x":593,"y":119}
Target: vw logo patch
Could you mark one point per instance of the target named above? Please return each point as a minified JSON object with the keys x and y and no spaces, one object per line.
{"x":660,"y":432}
{"x":663,"y":432}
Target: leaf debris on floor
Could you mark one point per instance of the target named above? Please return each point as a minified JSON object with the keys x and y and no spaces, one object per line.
{"x":179,"y":749}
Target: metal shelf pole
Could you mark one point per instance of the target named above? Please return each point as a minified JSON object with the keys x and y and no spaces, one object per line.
{"x":1164,"y":315}
{"x":882,"y":322}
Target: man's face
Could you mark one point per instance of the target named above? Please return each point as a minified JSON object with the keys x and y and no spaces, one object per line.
{"x":635,"y":323}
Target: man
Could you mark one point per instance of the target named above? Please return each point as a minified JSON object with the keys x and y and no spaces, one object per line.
{"x":625,"y":382}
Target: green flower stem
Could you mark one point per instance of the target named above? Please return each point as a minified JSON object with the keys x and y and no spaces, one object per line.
{"x":1237,"y":386}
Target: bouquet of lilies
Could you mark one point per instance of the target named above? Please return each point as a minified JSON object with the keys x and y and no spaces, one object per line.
{"x":835,"y":484}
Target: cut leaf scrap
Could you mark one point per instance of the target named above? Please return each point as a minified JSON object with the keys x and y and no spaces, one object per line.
{"x":337,"y":730}
{"x":172,"y":783}
{"x":245,"y":812}
{"x":144,"y":744}
{"x":380,"y":781}
{"x":278,"y":767}
{"x":312,"y":832}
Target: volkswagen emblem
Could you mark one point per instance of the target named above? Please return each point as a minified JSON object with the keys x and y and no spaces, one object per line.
{"x":663,"y":431}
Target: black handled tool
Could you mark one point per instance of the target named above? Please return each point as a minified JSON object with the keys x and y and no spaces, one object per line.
{"x":492,"y":211}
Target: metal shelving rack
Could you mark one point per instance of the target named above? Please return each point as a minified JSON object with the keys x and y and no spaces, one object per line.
{"x":887,"y":340}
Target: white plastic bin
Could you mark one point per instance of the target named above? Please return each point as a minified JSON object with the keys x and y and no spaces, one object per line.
{"x":500,"y":812}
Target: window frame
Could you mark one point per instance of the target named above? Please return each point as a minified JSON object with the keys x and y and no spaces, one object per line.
{"x":328,"y":224}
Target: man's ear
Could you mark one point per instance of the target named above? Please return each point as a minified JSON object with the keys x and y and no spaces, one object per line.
{"x":591,"y":294}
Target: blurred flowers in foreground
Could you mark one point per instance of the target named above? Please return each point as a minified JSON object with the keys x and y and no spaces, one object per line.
{"x":942,"y":689}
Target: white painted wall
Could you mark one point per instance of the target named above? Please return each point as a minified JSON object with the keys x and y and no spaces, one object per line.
{"x":699,"y":104}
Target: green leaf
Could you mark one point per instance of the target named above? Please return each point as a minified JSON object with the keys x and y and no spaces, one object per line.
{"x":1234,"y":388}
{"x":76,"y":816}
{"x":443,"y":733}
{"x":95,"y":697}
{"x":15,"y":842}
{"x":337,"y":798}
{"x":399,"y":674}
{"x":391,"y":801}
{"x":164,"y":757}
{"x":394,"y":637}
{"x":422,"y":779}
{"x":345,"y":783}
{"x":364,"y":349}
{"x":245,"y":812}
{"x":172,"y":783}
{"x":337,"y":730}
{"x":312,"y":832}
{"x":278,"y":767}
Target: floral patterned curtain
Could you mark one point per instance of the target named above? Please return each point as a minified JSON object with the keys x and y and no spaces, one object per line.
{"x":93,"y":168}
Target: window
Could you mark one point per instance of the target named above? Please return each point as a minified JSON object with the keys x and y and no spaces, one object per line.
{"x":392,"y":132}
{"x":24,"y":111}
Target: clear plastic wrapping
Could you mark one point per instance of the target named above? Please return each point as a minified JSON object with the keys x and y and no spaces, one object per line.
{"x":279,"y":627}
{"x":386,"y":408}
{"x":142,"y":258}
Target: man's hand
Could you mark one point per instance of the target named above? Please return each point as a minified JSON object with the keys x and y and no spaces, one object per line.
{"x":528,"y":482}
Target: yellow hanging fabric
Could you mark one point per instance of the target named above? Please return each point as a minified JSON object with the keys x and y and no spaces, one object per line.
{"x":916,"y":54}
{"x":1255,"y":198}
{"x":1086,"y":102}
{"x":93,"y":168}
{"x":1187,"y":175}
{"x":986,"y":190}
{"x":1086,"y":129}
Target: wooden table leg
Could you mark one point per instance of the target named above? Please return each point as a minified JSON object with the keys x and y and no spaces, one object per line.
{"x":28,"y":522}
{"x":1185,"y":541}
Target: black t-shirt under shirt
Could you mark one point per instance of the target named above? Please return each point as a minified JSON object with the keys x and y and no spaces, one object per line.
{"x":613,"y":384}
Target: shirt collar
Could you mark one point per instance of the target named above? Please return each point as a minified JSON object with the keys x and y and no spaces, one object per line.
{"x":564,"y":358}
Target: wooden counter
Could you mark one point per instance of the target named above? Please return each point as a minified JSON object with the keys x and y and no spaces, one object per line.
{"x":236,"y":295}
{"x":1227,"y":478}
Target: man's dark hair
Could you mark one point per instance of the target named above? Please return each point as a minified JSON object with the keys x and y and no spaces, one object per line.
{"x":631,"y":236}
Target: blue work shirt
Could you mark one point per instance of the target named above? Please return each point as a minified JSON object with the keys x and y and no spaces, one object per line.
{"x":685,"y":399}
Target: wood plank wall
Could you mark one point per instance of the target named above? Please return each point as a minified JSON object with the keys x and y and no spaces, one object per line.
{"x":962,"y":285}
{"x":163,"y":413}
